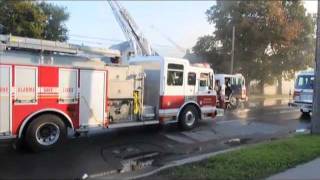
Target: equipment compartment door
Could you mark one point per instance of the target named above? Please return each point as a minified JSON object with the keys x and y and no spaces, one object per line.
{"x":68,"y":86}
{"x":5,"y":100}
{"x":26,"y":83}
{"x":92,"y":97}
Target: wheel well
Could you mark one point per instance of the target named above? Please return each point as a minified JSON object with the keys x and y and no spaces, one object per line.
{"x":191,"y":104}
{"x":61,"y":116}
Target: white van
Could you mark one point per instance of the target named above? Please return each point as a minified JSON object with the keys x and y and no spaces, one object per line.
{"x":237,"y":92}
{"x":303,"y":92}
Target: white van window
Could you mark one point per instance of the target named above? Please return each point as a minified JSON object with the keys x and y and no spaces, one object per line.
{"x":304,"y":82}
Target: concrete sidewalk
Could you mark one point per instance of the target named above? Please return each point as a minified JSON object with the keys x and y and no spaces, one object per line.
{"x":310,"y":170}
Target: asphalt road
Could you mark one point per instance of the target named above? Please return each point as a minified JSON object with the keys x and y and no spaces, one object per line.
{"x":123,"y":152}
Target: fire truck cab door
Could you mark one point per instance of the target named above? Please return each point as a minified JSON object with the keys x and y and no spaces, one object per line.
{"x":92,"y":97}
{"x":5,"y":99}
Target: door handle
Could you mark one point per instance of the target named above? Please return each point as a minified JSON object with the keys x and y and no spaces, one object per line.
{"x":25,"y":101}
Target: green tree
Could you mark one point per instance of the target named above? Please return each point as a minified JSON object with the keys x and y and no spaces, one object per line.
{"x":207,"y":49}
{"x":33,"y":19}
{"x":55,"y":27}
{"x":273,"y":38}
{"x":23,"y":18}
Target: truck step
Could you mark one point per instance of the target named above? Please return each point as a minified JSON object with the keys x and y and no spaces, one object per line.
{"x":148,"y":112}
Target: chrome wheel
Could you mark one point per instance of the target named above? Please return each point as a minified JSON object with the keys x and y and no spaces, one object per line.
{"x":47,"y":133}
{"x":190,"y":118}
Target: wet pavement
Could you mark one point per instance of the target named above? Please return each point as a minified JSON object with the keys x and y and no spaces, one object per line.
{"x":126,"y":152}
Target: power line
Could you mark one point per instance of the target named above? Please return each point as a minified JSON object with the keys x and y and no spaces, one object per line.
{"x":177,"y":46}
{"x":104,"y":39}
{"x":97,"y":38}
{"x":89,"y":42}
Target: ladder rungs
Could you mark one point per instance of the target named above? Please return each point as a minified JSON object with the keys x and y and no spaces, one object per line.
{"x":37,"y":44}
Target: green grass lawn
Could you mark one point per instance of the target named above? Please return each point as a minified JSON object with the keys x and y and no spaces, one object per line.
{"x":255,"y":162}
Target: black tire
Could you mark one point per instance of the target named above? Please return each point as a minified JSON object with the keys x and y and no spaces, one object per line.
{"x":306,"y":114}
{"x":233,"y":102}
{"x":188,"y":118}
{"x":37,"y":134}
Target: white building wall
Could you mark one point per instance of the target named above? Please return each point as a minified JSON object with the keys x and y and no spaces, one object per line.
{"x":287,"y":86}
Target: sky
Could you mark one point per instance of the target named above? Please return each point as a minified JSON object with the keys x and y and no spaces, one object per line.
{"x":93,"y":23}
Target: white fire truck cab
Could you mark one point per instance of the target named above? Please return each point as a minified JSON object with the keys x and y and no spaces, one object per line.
{"x":177,"y":89}
{"x":49,"y":88}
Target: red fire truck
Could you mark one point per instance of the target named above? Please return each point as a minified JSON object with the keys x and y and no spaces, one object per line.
{"x":48,"y":89}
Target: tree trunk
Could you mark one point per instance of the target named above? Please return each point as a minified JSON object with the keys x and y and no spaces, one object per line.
{"x":279,"y":87}
{"x":248,"y":86}
{"x":262,"y":87}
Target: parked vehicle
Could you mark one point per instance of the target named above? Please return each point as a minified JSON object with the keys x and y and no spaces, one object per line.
{"x":303,"y":92}
{"x":47,"y":88}
{"x":231,"y":90}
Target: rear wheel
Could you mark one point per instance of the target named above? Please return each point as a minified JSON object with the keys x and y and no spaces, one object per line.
{"x":305,"y":113}
{"x":45,"y":132}
{"x":233,"y":101}
{"x":188,"y":118}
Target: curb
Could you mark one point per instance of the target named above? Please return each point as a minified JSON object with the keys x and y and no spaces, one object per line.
{"x":186,"y":161}
{"x":175,"y":163}
{"x":171,"y":164}
{"x":192,"y":160}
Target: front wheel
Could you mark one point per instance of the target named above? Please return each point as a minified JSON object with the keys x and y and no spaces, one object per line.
{"x":305,"y":113}
{"x":45,"y":132}
{"x":188,"y":118}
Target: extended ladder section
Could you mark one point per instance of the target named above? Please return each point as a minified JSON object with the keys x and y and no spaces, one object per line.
{"x":140,"y":45}
{"x":9,"y":41}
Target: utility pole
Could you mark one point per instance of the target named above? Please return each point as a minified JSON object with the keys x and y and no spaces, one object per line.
{"x":315,"y":121}
{"x":232,"y":50}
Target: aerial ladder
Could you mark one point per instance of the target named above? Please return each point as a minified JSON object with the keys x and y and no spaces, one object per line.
{"x":138,"y":43}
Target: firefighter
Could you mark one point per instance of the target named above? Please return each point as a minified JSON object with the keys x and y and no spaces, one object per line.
{"x":228,"y":88}
{"x":218,"y":90}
